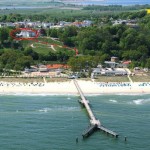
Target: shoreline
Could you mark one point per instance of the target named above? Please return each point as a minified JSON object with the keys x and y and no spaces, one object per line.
{"x":68,"y":88}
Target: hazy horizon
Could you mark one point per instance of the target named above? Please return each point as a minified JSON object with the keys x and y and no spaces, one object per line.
{"x":82,"y":2}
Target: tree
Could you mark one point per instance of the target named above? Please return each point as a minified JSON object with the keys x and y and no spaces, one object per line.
{"x":148,"y":63}
{"x":29,"y":52}
{"x":23,"y":62}
{"x":78,"y":64}
{"x":4,"y":34}
{"x":54,"y":33}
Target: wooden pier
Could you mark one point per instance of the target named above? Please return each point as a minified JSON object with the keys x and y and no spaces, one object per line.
{"x":94,"y":123}
{"x":89,"y":131}
{"x":108,"y":131}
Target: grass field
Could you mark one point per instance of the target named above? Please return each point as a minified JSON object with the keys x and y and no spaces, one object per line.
{"x":43,"y":45}
{"x":112,"y":79}
{"x":42,"y":48}
{"x":49,"y":40}
{"x":137,"y":78}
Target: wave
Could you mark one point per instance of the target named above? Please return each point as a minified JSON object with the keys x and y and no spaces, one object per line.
{"x":130,"y":94}
{"x":95,"y":95}
{"x":58,"y":109}
{"x":44,"y":110}
{"x":114,"y":101}
{"x":35,"y":94}
{"x":141,"y":101}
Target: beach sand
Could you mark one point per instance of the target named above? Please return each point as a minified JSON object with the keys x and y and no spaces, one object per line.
{"x":64,"y":88}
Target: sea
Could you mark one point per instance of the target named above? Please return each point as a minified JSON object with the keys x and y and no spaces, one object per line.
{"x":115,"y":2}
{"x":54,"y":122}
{"x":87,"y":2}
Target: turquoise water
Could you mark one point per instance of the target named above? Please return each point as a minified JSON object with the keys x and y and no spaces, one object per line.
{"x":54,"y":122}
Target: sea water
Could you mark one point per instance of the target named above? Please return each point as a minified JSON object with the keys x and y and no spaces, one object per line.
{"x":54,"y":122}
{"x":115,"y":2}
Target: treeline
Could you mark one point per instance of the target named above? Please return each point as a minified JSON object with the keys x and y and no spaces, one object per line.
{"x":72,"y":15}
{"x":11,"y":17}
{"x":115,"y":7}
{"x":53,"y":16}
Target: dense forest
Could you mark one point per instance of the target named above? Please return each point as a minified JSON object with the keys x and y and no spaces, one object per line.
{"x":96,"y":43}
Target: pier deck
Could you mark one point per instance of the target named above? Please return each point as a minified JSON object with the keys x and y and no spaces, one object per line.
{"x":108,"y":131}
{"x":93,"y":120}
{"x":95,"y":124}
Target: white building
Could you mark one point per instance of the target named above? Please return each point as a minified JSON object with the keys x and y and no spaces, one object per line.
{"x":26,"y":34}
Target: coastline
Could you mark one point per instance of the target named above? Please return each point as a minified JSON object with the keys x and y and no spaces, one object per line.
{"x":68,"y":88}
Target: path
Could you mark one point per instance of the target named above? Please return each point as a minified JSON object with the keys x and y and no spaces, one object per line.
{"x":129,"y":73}
{"x":44,"y":80}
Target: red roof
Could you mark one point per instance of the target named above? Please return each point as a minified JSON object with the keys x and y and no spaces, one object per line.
{"x":57,"y":66}
{"x":127,"y":62}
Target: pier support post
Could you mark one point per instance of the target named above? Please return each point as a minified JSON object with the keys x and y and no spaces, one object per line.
{"x":77,"y":140}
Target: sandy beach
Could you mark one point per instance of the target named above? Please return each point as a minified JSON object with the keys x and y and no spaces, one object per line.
{"x":64,"y":88}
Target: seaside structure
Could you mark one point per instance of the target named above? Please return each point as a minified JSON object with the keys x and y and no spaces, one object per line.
{"x":99,"y":71}
{"x":94,"y":123}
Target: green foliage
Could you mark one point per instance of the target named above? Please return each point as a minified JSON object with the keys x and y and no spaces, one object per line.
{"x":29,"y":52}
{"x":80,"y":63}
{"x":115,"y":8}
{"x":148,"y":63}
{"x":22,"y":62}
{"x":4,"y":34}
{"x":98,"y":42}
{"x":11,"y":59}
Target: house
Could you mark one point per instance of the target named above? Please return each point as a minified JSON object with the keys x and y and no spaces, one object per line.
{"x":56,"y":27}
{"x":31,"y":69}
{"x":64,"y":23}
{"x":114,"y":59}
{"x":47,"y":25}
{"x":110,"y":64}
{"x":125,"y":64}
{"x":38,"y":24}
{"x":43,"y":68}
{"x":77,"y":24}
{"x":26,"y":34}
{"x":108,"y":72}
{"x":130,"y":23}
{"x":2,"y":24}
{"x":57,"y":67}
{"x":118,"y":22}
{"x":19,"y":24}
{"x":10,"y":24}
{"x":87,"y":23}
{"x":30,"y":24}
